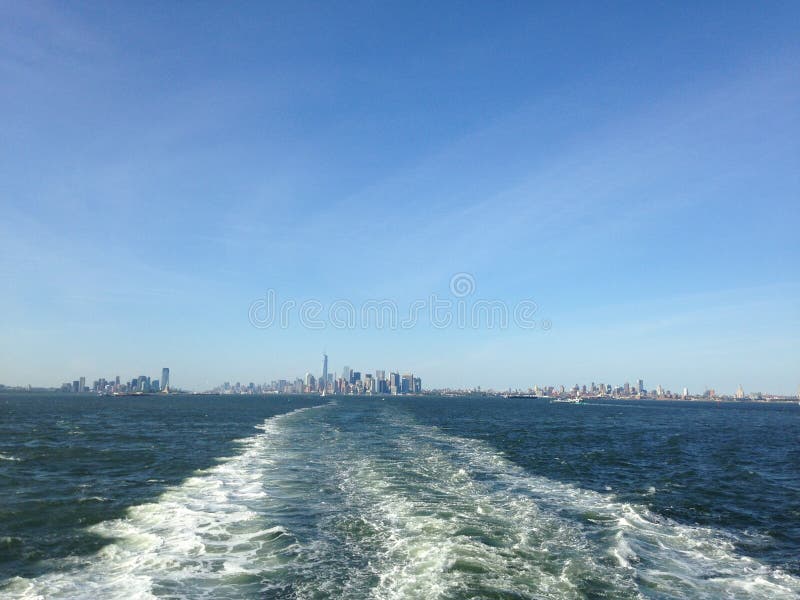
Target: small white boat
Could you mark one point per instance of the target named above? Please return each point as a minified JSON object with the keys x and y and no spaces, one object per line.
{"x":566,"y":400}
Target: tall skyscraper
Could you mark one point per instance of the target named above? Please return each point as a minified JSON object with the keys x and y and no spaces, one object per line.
{"x":82,"y":385}
{"x":640,"y":386}
{"x":165,"y":379}
{"x":380,"y":381}
{"x":346,"y":374}
{"x":324,"y":371}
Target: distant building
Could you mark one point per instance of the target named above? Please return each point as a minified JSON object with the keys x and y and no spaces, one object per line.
{"x":380,"y":382}
{"x":82,"y":385}
{"x":324,"y":382}
{"x":310,"y":383}
{"x":394,"y":383}
{"x":165,"y":379}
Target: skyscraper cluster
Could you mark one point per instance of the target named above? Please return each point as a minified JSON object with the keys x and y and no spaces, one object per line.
{"x":350,"y":382}
{"x":354,"y":382}
{"x":141,"y":384}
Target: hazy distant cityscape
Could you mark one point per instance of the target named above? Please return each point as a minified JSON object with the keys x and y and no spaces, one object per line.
{"x":142,"y":384}
{"x":353,"y":382}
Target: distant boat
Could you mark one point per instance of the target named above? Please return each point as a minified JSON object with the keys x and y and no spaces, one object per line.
{"x":566,"y":401}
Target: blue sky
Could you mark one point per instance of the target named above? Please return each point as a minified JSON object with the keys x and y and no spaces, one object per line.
{"x":632,"y":168}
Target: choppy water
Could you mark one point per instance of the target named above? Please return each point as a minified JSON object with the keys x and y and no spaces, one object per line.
{"x":224,"y":497}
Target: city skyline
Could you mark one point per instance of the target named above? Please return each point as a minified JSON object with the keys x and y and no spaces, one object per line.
{"x":138,"y":384}
{"x":633,"y":173}
{"x":362,"y":382}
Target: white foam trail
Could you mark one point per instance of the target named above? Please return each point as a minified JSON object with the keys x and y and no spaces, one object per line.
{"x":204,"y":538}
{"x":9,"y":457}
{"x":666,"y":559}
{"x":440,"y":532}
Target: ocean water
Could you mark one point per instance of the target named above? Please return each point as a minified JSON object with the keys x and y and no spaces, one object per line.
{"x":289,"y":497}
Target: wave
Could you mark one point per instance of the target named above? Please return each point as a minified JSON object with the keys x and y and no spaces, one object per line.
{"x":663,"y":558}
{"x":203,"y":538}
{"x":440,"y":531}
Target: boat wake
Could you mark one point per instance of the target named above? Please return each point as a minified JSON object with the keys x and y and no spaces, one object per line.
{"x":334,"y":502}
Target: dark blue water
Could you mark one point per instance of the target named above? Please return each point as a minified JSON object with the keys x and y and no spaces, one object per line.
{"x":288,"y":497}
